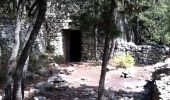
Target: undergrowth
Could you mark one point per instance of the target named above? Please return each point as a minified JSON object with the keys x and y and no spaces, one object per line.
{"x":124,"y":60}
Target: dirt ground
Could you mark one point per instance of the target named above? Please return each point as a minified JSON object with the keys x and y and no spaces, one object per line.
{"x":113,"y":77}
{"x":86,"y":75}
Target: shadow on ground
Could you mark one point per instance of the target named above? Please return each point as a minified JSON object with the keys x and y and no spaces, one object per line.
{"x":156,"y":74}
{"x":90,"y":93}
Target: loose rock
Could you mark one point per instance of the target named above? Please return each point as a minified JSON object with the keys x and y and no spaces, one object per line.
{"x":40,"y":98}
{"x":69,"y":70}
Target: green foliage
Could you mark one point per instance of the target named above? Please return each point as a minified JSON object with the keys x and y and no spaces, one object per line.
{"x":156,"y":19}
{"x":116,"y":33}
{"x":3,"y":73}
{"x":95,"y":14}
{"x":0,"y":52}
{"x":149,"y":20}
{"x":50,"y":49}
{"x":43,"y":56}
{"x":33,"y":63}
{"x":123,"y":60}
{"x":59,"y":58}
{"x":153,"y":19}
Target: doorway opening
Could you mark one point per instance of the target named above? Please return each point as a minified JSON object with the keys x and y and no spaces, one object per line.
{"x":72,"y":45}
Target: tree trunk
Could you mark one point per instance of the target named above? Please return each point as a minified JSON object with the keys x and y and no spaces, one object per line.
{"x":95,"y":44}
{"x":127,"y":28}
{"x":103,"y":71}
{"x":96,"y":7}
{"x":17,"y":93}
{"x":112,"y":48}
{"x":24,"y":76}
{"x":106,"y":53}
{"x":13,"y":58}
{"x":135,"y":30}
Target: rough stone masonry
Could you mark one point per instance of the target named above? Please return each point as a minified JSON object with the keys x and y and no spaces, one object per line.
{"x":144,"y":54}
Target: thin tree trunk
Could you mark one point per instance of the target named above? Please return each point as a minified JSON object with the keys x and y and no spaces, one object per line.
{"x":47,"y":34}
{"x":24,"y":76}
{"x":29,"y":30}
{"x":112,"y":48}
{"x":95,"y":44}
{"x":103,"y":71}
{"x":17,"y":94}
{"x":128,"y":34}
{"x":13,"y":58}
{"x":135,"y":30}
{"x":106,"y":54}
{"x":96,"y":7}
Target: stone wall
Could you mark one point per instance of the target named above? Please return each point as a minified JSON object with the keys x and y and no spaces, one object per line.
{"x":161,"y":77}
{"x":53,"y":25}
{"x":143,"y":54}
{"x":57,"y":18}
{"x":7,"y":29}
{"x":88,"y":46}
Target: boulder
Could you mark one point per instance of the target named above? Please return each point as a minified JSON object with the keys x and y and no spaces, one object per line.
{"x":43,"y":85}
{"x":125,"y":98}
{"x":110,"y":67}
{"x":1,"y":98}
{"x":167,"y":61}
{"x":135,"y":85}
{"x":159,"y":65}
{"x":39,"y":98}
{"x":31,"y":76}
{"x":141,"y":83}
{"x":110,"y":94}
{"x":53,"y":65}
{"x":88,"y":92}
{"x":43,"y":72}
{"x":69,"y":70}
{"x":57,"y":78}
{"x":58,"y":81}
{"x":33,"y":90}
{"x":128,"y":73}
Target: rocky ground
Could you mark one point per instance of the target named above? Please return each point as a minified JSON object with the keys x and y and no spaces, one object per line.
{"x":79,"y":81}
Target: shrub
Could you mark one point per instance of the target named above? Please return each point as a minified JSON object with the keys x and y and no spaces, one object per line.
{"x":33,"y":63}
{"x":123,"y":60}
{"x":3,"y":73}
{"x":43,"y":56}
{"x":59,"y":58}
{"x":50,"y":49}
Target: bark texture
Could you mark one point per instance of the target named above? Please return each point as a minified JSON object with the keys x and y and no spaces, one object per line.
{"x":106,"y":53}
{"x":13,"y":58}
{"x":17,"y":92}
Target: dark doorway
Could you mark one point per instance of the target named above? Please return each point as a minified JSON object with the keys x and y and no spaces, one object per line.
{"x":72,"y":45}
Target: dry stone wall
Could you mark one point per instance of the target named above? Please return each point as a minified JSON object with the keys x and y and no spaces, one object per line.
{"x":7,"y":28}
{"x":143,"y":54}
{"x":55,"y":21}
{"x":58,"y":18}
{"x":161,"y":77}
